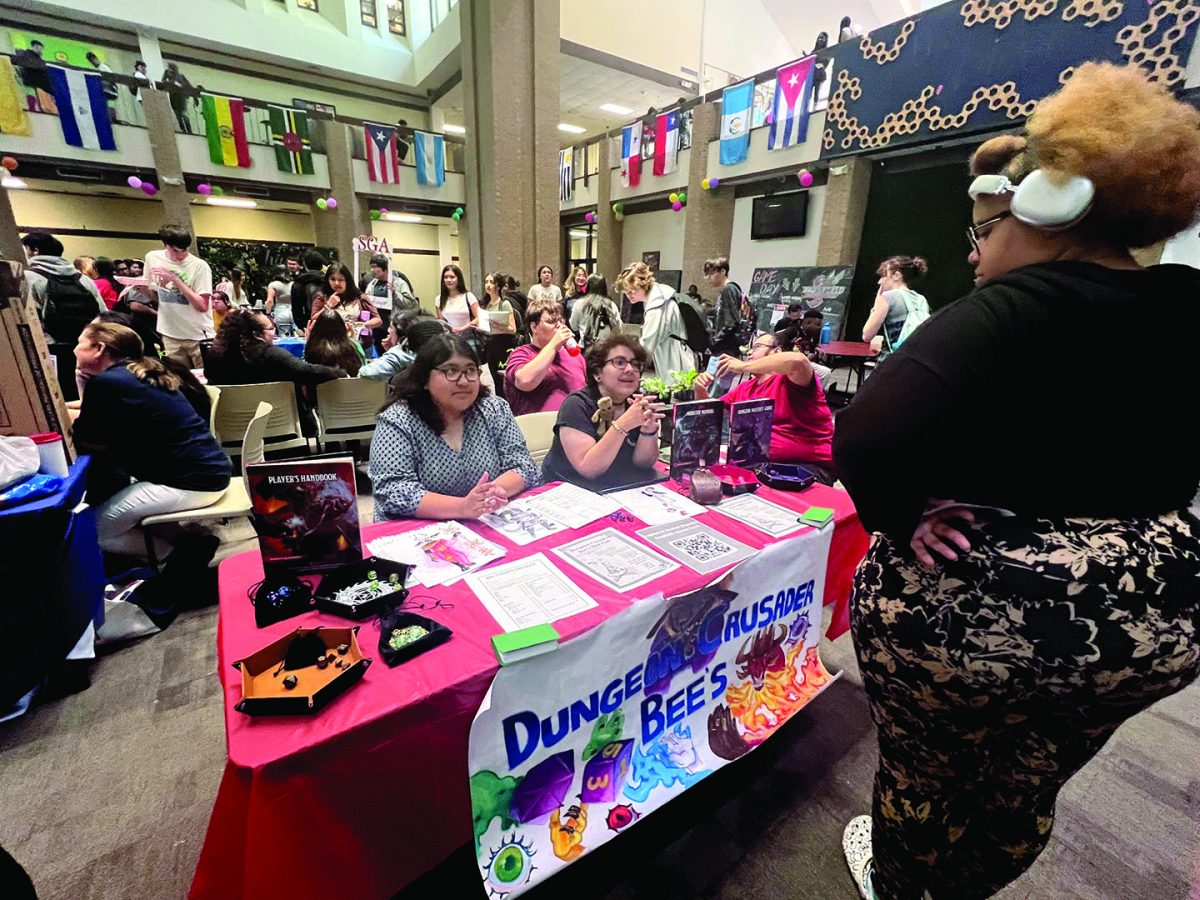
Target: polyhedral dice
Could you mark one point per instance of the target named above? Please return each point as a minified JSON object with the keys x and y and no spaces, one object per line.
{"x":605,"y":773}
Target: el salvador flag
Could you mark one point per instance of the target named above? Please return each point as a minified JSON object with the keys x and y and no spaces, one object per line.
{"x":82,"y":108}
{"x":431,"y":158}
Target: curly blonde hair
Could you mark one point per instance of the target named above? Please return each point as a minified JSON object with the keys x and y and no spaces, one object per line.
{"x":1138,"y":144}
{"x":635,"y":277}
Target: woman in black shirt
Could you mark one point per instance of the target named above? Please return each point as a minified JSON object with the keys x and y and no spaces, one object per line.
{"x":244,"y":352}
{"x":137,"y":425}
{"x":1036,"y":579}
{"x":599,"y":451}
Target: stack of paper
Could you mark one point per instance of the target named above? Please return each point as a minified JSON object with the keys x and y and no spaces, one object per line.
{"x":527,"y":592}
{"x":573,"y":506}
{"x":655,"y":504}
{"x":441,"y":552}
{"x":523,"y":521}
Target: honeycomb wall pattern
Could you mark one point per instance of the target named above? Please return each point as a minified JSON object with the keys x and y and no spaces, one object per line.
{"x":881,"y":52}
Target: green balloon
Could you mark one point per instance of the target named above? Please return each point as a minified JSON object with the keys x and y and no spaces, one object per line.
{"x":321,"y":203}
{"x":618,"y":207}
{"x":218,"y":191}
{"x":683,"y":198}
{"x":376,"y":215}
{"x":459,"y":210}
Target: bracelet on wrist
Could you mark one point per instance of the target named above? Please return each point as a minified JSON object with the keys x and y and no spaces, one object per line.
{"x":653,"y":433}
{"x":617,"y":426}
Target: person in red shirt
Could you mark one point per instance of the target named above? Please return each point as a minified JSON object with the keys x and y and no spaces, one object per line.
{"x":803,"y":430}
{"x":541,"y":374}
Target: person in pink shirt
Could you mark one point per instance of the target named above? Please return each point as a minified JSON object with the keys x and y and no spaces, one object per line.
{"x":803,"y":430}
{"x":539,"y":375}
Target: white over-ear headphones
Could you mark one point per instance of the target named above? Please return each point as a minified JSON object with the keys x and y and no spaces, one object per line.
{"x":1040,"y":201}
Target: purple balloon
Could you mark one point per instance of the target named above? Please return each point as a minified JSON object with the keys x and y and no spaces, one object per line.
{"x":714,"y":182}
{"x":204,"y":189}
{"x":148,"y":189}
{"x":331,"y":203}
{"x":677,"y":206}
{"x":134,"y":182}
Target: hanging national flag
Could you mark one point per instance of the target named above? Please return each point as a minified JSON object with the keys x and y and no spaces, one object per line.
{"x":289,"y":137}
{"x":225,"y":127}
{"x":566,"y":175}
{"x":736,"y":105}
{"x":430,"y":151}
{"x":789,"y":117}
{"x":631,"y":155}
{"x":383,"y":161}
{"x":666,"y":142}
{"x":82,"y":108}
{"x":14,"y":117}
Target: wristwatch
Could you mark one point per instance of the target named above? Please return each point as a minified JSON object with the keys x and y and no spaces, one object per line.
{"x":647,"y":434}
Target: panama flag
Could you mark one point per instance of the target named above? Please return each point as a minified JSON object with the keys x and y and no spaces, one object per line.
{"x":383,"y":163}
{"x":789,"y":116}
{"x":82,"y":108}
{"x":666,"y":142}
{"x":631,"y":155}
{"x":430,"y":151}
{"x":736,"y":105}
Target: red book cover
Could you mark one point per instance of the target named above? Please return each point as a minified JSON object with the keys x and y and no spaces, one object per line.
{"x":306,"y":513}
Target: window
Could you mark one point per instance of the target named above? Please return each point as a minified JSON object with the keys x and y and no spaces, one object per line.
{"x":395,"y":14}
{"x":307,"y":4}
{"x":366,"y":11}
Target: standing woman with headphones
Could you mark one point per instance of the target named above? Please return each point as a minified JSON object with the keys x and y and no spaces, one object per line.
{"x":1029,"y":589}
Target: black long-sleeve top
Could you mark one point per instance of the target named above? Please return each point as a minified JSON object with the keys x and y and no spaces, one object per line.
{"x":1017,"y":396}
{"x":266,"y":363}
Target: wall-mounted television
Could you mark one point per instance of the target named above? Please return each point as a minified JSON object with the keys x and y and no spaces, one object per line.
{"x":779,"y":216}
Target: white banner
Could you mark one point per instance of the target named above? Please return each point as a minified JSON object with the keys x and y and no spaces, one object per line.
{"x":570,"y":748}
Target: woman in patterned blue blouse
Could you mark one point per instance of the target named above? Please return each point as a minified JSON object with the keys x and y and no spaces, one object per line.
{"x":445,"y":448}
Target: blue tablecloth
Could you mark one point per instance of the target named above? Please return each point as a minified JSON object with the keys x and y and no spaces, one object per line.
{"x":294,"y":346}
{"x":53,"y":583}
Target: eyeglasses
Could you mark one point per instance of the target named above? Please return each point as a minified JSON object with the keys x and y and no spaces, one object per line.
{"x":552,"y":320}
{"x":975,"y":232}
{"x":621,"y":363}
{"x":456,"y":375}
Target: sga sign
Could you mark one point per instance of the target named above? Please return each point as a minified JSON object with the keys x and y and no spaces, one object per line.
{"x":572,"y":747}
{"x":370,"y":244}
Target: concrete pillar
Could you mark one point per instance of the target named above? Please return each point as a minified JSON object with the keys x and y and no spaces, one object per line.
{"x":10,"y":238}
{"x":339,"y":227}
{"x":151,"y":54}
{"x":160,"y":126}
{"x":708,"y":229}
{"x":846,"y":195}
{"x":510,"y":86}
{"x":608,"y":230}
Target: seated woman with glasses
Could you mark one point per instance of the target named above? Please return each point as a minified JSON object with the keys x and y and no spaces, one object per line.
{"x":606,"y":435}
{"x":445,"y":448}
{"x":539,"y":375}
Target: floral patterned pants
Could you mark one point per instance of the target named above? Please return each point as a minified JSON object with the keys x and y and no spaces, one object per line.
{"x":994,"y":678}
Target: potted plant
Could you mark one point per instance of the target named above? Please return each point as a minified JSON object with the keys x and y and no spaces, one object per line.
{"x":683,"y":385}
{"x":654,"y":388}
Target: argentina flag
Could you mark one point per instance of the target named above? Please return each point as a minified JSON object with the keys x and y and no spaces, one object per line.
{"x":82,"y":108}
{"x":430,"y":150}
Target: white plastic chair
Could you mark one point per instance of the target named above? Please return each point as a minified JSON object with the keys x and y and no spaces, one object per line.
{"x":235,"y":502}
{"x":239,"y":404}
{"x":347,"y":409}
{"x":538,"y":429}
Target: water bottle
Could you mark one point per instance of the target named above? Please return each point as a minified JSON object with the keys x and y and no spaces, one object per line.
{"x":826,"y":332}
{"x":572,"y":346}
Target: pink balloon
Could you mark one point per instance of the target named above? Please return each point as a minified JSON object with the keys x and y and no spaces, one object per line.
{"x":148,"y":189}
{"x":806,"y":178}
{"x":331,"y":203}
{"x":134,"y":182}
{"x":383,"y":211}
{"x":677,"y":206}
{"x":204,"y":189}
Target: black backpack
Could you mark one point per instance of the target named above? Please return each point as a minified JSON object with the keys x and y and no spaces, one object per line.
{"x":697,"y":337}
{"x":68,"y":308}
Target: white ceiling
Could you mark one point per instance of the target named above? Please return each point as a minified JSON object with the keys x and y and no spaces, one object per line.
{"x":583,"y":87}
{"x":800,"y":23}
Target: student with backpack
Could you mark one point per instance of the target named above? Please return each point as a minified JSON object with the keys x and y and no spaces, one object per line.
{"x":664,"y":334}
{"x":595,"y":316}
{"x":729,"y":321}
{"x":898,"y":309}
{"x":66,"y":302}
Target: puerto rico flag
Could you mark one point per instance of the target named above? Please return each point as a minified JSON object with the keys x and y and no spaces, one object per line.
{"x":789,"y":115}
{"x":82,"y":108}
{"x":631,"y":155}
{"x":666,"y":142}
{"x":383,"y":162}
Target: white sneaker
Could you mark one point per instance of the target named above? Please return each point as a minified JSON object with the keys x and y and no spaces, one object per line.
{"x":856,"y":844}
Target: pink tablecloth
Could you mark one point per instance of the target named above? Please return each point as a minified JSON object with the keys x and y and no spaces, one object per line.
{"x":362,"y":798}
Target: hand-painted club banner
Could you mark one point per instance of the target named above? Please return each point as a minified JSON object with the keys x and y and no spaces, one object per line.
{"x":573,"y":747}
{"x":774,"y":288}
{"x":983,"y":64}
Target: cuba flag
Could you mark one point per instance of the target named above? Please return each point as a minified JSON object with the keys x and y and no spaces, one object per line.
{"x":736,"y":104}
{"x":789,"y":115}
{"x":631,"y":155}
{"x":430,"y":150}
{"x":82,"y":108}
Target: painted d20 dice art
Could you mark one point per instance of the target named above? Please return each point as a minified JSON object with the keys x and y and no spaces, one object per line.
{"x":605,"y":773}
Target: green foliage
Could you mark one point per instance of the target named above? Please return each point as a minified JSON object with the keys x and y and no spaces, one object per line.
{"x":684,"y":381}
{"x":257,"y":259}
{"x":655,"y":385}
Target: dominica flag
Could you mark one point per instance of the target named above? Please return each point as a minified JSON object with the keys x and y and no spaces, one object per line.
{"x":289,"y":137}
{"x":225,"y":127}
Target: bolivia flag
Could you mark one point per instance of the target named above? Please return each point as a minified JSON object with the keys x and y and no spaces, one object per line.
{"x":225,"y":126}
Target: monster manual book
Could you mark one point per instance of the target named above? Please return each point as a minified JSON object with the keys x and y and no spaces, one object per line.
{"x":305,"y":513}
